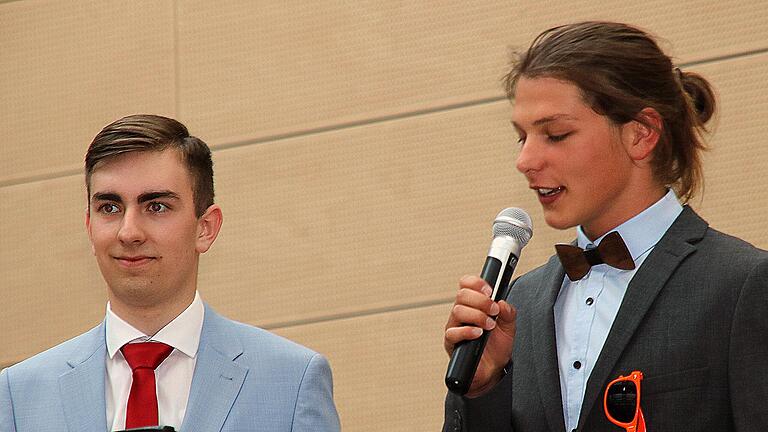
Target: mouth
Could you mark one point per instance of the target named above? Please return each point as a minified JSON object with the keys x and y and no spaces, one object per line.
{"x":548,"y":192}
{"x":133,"y":261}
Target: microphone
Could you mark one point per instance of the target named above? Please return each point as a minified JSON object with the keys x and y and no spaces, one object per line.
{"x":511,"y":232}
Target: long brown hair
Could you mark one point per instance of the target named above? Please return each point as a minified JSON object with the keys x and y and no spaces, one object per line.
{"x":621,"y":70}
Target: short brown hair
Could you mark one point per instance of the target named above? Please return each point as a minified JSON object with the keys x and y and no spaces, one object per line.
{"x":145,"y":132}
{"x":620,"y":71}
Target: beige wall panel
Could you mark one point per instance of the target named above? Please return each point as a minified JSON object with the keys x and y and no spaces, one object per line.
{"x":251,"y":71}
{"x":388,"y":369}
{"x":69,"y":68}
{"x":735,"y":199}
{"x":363,"y":218}
{"x":51,"y":287}
{"x":370,"y":218}
{"x":691,"y":30}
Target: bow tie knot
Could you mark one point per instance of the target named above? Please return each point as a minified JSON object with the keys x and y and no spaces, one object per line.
{"x":612,"y":251}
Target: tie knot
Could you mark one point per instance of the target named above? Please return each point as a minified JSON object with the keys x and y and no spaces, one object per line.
{"x":146,"y":355}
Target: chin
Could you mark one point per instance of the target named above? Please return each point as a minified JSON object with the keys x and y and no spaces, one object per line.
{"x":558,"y":222}
{"x":136,"y":291}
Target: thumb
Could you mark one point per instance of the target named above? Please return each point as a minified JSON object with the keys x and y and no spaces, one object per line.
{"x":506,"y":319}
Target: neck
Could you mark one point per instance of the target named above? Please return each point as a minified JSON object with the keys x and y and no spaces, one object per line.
{"x":623,"y":212}
{"x":150,"y":319}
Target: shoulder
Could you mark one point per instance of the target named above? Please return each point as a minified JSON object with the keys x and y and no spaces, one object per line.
{"x":54,"y":361}
{"x":258,"y":339}
{"x":721,"y":255}
{"x":709,"y":243}
{"x":728,"y":261}
{"x":726,"y":243}
{"x":258,"y":345}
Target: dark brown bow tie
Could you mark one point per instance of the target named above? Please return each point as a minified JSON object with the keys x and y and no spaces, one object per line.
{"x":611,"y":251}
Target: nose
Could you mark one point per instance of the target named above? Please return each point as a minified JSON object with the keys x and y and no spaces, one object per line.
{"x":529,"y":158}
{"x":131,"y":231}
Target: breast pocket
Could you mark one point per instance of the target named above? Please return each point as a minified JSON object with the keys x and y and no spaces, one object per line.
{"x":684,"y":400}
{"x":676,"y":381}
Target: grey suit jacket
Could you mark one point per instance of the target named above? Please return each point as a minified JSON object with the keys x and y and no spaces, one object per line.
{"x":245,"y":379}
{"x":694,"y":320}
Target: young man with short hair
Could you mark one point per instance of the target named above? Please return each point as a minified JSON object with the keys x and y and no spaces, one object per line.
{"x":162,"y":356}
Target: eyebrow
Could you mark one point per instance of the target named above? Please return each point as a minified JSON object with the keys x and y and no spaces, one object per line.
{"x":106,"y":196}
{"x":146,"y":196}
{"x":150,"y":196}
{"x":548,"y":119}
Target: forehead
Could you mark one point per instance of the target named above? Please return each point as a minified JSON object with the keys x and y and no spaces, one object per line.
{"x":545,"y":97}
{"x":134,"y":173}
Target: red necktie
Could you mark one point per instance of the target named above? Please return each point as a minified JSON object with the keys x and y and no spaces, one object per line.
{"x":143,"y":358}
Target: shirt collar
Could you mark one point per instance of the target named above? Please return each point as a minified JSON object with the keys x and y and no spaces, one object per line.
{"x":183,"y":333}
{"x":644,"y":230}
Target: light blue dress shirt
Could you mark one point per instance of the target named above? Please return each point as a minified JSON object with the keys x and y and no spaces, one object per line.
{"x":585,"y":309}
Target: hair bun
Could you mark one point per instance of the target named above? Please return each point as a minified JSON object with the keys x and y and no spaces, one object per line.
{"x":701,"y":94}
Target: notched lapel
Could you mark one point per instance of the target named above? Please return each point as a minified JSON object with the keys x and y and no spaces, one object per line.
{"x":217,"y":379}
{"x":677,"y":244}
{"x":82,"y":389}
{"x":543,"y":326}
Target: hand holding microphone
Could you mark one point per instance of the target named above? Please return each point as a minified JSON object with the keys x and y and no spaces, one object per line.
{"x":475,"y":367}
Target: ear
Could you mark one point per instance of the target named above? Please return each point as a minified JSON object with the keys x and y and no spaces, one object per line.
{"x":641,"y":137}
{"x":88,"y":227}
{"x":208,"y":226}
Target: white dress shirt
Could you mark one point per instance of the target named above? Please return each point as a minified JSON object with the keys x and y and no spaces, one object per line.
{"x":585,"y":309}
{"x":173,"y":377}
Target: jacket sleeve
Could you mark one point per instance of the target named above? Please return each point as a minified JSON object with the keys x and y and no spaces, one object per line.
{"x":748,"y":356}
{"x":489,"y":412}
{"x":315,"y":410}
{"x":7,"y":422}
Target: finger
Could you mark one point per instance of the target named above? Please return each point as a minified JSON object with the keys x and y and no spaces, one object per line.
{"x":462,"y":315}
{"x":454,"y":335}
{"x":507,"y":318}
{"x":475,"y":283}
{"x":477,"y":300}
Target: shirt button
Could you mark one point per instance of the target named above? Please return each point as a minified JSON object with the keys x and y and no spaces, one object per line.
{"x":590,"y":300}
{"x":577,"y":364}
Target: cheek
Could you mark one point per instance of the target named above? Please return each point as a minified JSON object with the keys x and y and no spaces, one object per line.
{"x":181,"y":240}
{"x":100,"y":239}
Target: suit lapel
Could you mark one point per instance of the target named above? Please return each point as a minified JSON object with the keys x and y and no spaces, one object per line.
{"x":82,"y":389}
{"x":645,"y":286}
{"x":217,"y":379}
{"x":545,"y":347}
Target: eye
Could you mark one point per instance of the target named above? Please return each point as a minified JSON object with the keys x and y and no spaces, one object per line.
{"x":156,"y":207}
{"x":558,"y":138}
{"x":109,"y":208}
{"x":521,"y":139}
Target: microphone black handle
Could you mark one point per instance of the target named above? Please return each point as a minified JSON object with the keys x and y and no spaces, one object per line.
{"x":466,"y":355}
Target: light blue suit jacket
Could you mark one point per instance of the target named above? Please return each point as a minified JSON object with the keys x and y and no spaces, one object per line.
{"x":246,"y":379}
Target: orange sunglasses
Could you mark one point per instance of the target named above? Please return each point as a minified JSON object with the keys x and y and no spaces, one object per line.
{"x":622,"y":402}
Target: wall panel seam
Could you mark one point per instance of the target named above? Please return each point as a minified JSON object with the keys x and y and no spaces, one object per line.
{"x":360,"y":313}
{"x":723,"y":58}
{"x":361,"y":123}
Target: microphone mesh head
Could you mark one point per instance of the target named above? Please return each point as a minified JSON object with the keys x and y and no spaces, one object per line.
{"x":513,"y":222}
